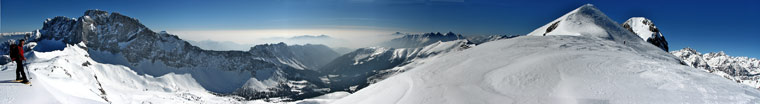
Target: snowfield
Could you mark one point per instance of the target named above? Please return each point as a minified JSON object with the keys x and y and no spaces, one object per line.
{"x":70,"y":76}
{"x":552,"y":69}
{"x":582,"y":57}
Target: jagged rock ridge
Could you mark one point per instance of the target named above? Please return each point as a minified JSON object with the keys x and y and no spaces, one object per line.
{"x":147,"y":52}
{"x":646,"y":29}
{"x":743,"y":70}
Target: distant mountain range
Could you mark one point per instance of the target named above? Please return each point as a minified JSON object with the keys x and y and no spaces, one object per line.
{"x":420,"y":40}
{"x":743,"y":70}
{"x":581,"y":56}
{"x":289,"y":72}
{"x":117,"y":39}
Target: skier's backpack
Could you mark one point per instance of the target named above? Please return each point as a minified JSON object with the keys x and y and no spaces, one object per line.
{"x":12,"y":52}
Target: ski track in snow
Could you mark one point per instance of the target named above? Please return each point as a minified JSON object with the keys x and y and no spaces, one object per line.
{"x":599,"y":63}
{"x":14,"y":92}
{"x":558,"y":69}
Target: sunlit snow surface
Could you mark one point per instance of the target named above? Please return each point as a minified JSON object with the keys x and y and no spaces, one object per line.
{"x":68,"y":76}
{"x":585,"y":58}
{"x":552,"y":69}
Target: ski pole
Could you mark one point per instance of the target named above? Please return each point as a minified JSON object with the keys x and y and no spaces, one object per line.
{"x":26,"y":66}
{"x":27,"y":72}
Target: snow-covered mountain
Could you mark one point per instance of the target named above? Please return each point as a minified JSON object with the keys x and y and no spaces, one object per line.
{"x":69,"y":76}
{"x":362,"y":67}
{"x":357,"y":69}
{"x":581,"y":57}
{"x":585,"y":58}
{"x":420,"y":40}
{"x":646,"y":29}
{"x":588,"y":21}
{"x":271,"y":70}
{"x":740,"y":69}
{"x":7,"y":38}
{"x":308,"y":56}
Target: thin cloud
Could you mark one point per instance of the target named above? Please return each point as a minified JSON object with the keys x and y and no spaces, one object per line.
{"x":345,"y":36}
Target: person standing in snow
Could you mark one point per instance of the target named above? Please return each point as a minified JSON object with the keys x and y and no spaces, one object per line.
{"x":16,"y":52}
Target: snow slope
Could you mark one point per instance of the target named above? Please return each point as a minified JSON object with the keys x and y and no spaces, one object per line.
{"x":585,"y":58}
{"x":15,"y":93}
{"x":589,"y":21}
{"x":364,"y":66}
{"x":743,"y":70}
{"x":552,"y":69}
{"x":264,"y":71}
{"x":586,"y":20}
{"x":69,"y":76}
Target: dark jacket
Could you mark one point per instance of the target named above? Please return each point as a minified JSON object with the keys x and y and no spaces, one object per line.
{"x":17,"y":52}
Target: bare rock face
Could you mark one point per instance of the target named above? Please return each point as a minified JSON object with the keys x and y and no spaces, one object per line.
{"x":158,"y":53}
{"x":646,"y":29}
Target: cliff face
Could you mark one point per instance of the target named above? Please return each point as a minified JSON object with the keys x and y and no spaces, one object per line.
{"x":122,"y":40}
{"x":646,"y":29}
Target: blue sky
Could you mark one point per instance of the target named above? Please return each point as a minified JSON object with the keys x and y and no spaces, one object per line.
{"x":708,"y":26}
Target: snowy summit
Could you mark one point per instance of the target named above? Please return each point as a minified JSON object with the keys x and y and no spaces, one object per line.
{"x":579,"y":58}
{"x":586,"y":20}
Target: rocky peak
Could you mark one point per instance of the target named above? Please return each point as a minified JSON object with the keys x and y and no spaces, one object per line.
{"x":647,"y":31}
{"x":690,"y":50}
{"x":95,"y":12}
{"x":588,"y":21}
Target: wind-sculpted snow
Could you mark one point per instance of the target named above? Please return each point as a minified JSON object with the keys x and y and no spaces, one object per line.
{"x":551,"y":69}
{"x":743,"y":70}
{"x":581,"y":57}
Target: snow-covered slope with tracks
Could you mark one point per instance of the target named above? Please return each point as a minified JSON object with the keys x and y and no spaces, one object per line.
{"x":552,"y":69}
{"x":585,"y":58}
